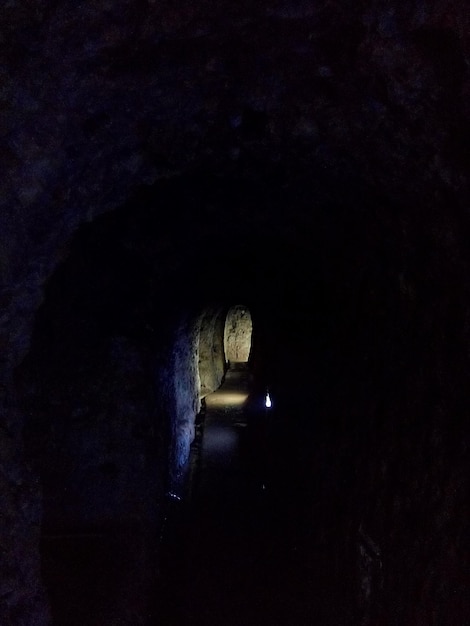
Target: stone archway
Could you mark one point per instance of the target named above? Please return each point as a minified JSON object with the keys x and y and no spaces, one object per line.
{"x":237,"y":334}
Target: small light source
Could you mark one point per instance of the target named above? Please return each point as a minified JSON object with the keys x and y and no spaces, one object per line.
{"x":173,"y":496}
{"x":267,"y":401}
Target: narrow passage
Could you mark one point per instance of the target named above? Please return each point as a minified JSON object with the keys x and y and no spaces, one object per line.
{"x":227,"y":560}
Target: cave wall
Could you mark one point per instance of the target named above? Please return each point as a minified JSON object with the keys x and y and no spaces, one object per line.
{"x":211,"y":360}
{"x":110,"y":390}
{"x":376,"y":467}
{"x":179,"y":394}
{"x":93,"y":437}
{"x":101,"y":99}
{"x":237,"y":335}
{"x":113,"y":381}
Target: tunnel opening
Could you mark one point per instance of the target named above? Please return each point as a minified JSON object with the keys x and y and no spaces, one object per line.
{"x":308,"y":159}
{"x":125,"y":347}
{"x":123,"y":354}
{"x":237,"y":336}
{"x":123,"y":351}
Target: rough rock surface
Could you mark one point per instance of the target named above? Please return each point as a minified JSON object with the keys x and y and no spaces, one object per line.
{"x":111,"y":389}
{"x":237,"y":335}
{"x":343,"y":130}
{"x":211,"y":365}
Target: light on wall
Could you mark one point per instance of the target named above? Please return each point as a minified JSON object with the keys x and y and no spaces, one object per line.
{"x":267,"y":401}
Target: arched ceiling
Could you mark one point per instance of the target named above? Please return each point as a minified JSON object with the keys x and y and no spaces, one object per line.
{"x":350,"y":121}
{"x":316,"y":99}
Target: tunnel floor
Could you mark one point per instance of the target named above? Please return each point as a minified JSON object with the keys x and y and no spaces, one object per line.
{"x":232,"y":556}
{"x":237,"y":549}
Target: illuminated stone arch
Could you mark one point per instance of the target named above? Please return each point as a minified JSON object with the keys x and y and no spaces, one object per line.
{"x":237,"y":334}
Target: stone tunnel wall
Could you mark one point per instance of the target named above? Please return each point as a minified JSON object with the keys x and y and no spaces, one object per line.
{"x":99,"y":99}
{"x":89,"y":392}
{"x":237,"y":335}
{"x":375,"y":469}
{"x":112,"y":384}
{"x":110,"y":390}
{"x":211,"y":350}
{"x":94,"y":437}
{"x":179,"y":398}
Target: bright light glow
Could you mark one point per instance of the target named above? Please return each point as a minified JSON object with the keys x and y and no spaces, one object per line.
{"x":226,"y":399}
{"x":173,"y":496}
{"x":267,"y":401}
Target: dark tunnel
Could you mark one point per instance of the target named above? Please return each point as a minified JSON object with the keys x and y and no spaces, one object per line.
{"x":342,"y":336}
{"x":203,"y":205}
